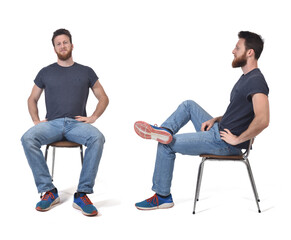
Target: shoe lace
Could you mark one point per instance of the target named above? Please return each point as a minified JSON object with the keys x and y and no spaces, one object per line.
{"x":86,"y":200}
{"x":154,"y":199}
{"x":47,"y":195}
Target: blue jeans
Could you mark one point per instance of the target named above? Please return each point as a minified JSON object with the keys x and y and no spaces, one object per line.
{"x":56,"y":130}
{"x":207,"y":142}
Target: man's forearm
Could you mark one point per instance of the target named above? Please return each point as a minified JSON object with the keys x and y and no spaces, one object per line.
{"x":101,"y":106}
{"x":218,"y":119}
{"x":33,"y":110}
{"x":255,"y":128}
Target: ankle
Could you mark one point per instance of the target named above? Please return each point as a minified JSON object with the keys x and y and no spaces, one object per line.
{"x":55,"y":190}
{"x":78,"y":194}
{"x":163,"y":196}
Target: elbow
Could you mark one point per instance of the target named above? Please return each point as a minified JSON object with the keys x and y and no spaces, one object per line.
{"x":107,"y":101}
{"x":30,"y":101}
{"x":265,"y":123}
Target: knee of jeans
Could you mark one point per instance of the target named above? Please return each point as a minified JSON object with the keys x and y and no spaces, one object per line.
{"x":97,"y":139}
{"x":188,"y":103}
{"x":165,"y":147}
{"x":26,"y":140}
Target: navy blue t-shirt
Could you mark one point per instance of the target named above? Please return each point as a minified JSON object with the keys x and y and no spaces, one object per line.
{"x":240,"y":112}
{"x":66,"y":89}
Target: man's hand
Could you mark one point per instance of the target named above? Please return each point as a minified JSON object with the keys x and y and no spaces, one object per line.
{"x":38,"y":121}
{"x":90,"y":120}
{"x":208,"y":124}
{"x":228,"y":137}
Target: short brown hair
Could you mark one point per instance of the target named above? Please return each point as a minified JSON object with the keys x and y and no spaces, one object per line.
{"x":61,"y":31}
{"x":252,"y":41}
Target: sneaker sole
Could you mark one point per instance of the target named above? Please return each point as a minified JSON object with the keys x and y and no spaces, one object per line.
{"x":94,"y":213}
{"x":162,"y":206}
{"x":57,"y":200}
{"x":146,"y":131}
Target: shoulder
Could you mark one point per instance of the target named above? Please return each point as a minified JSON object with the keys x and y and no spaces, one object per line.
{"x":255,"y":77}
{"x":256,"y":83}
{"x":255,"y":74}
{"x":48,"y":68}
{"x":83,"y":67}
{"x":86,"y":69}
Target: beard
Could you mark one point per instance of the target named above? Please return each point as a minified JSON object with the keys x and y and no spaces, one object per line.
{"x":239,"y":61}
{"x":66,"y":56}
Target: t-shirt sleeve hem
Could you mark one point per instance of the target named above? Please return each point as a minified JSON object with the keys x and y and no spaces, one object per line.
{"x":93,"y":82}
{"x":38,"y":84}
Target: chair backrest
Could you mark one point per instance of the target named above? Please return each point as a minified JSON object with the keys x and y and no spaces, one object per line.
{"x":247,"y":152}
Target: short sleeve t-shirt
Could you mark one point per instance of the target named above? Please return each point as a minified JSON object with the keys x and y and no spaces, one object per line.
{"x":240,"y":112}
{"x":66,"y":89}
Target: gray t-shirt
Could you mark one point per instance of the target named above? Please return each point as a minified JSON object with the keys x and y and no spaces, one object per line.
{"x":66,"y":89}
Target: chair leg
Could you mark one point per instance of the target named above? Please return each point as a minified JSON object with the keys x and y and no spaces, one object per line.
{"x":53,"y":162}
{"x":45,"y":157}
{"x":46,"y":152}
{"x":81,"y":152}
{"x":247,"y":163}
{"x":200,"y":178}
{"x":198,"y":184}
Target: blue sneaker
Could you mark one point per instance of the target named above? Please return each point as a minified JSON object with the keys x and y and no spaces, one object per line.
{"x":156,"y":202}
{"x":148,"y":131}
{"x":83,"y":203}
{"x":48,"y":200}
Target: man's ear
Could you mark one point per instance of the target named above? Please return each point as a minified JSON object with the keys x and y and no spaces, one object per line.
{"x":250,"y":52}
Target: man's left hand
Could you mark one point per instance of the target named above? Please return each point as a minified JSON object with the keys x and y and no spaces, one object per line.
{"x":90,"y":120}
{"x":228,"y":137}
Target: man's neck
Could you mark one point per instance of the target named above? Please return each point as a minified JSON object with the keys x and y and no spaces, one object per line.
{"x":249,"y":67}
{"x":67,"y":63}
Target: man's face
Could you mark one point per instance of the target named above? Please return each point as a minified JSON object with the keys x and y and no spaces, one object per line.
{"x":63,"y":47}
{"x":240,"y":54}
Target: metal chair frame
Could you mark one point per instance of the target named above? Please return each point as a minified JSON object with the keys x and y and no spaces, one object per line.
{"x":240,"y":158}
{"x":62,"y":144}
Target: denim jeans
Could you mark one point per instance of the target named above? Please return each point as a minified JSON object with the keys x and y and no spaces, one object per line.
{"x":196,"y":143}
{"x":56,"y":130}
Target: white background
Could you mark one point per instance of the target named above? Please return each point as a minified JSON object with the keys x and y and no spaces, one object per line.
{"x":150,"y":56}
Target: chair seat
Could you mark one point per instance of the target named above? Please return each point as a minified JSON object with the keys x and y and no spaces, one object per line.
{"x":65,"y":144}
{"x":209,"y":156}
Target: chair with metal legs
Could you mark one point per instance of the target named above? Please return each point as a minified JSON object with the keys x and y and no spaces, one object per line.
{"x":240,"y":158}
{"x":62,"y":144}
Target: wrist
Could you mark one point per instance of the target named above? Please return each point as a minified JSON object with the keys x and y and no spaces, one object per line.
{"x":94,"y":117}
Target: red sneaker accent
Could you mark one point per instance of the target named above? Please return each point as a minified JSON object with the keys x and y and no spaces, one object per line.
{"x":86,"y":200}
{"x":154,"y":199}
{"x":146,"y":131}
